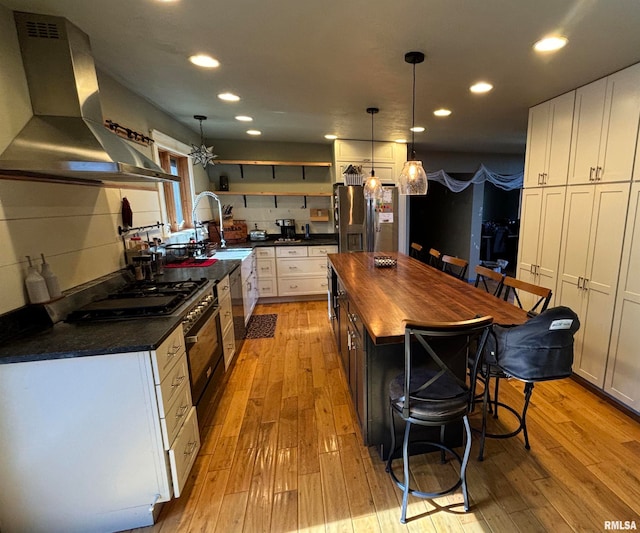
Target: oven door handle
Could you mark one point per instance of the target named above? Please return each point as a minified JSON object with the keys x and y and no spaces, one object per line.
{"x":192,"y":339}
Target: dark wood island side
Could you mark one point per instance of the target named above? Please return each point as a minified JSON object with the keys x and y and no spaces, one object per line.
{"x":367,"y":307}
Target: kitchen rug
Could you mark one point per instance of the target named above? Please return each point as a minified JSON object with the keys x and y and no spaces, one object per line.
{"x":261,"y":326}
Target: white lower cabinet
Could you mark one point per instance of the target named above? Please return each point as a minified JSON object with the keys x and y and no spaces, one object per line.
{"x":302,"y":270}
{"x":226,"y":321}
{"x":623,"y":366}
{"x":87,"y":440}
{"x":540,"y":234}
{"x":249,"y":285}
{"x":266,"y":267}
{"x":592,"y":240}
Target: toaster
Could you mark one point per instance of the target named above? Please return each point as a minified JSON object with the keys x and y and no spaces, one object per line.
{"x":258,"y":235}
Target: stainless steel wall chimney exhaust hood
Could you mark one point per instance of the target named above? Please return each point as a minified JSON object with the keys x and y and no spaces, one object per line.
{"x":66,"y":138}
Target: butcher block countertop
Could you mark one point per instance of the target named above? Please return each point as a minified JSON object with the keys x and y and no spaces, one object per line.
{"x":385,"y":297}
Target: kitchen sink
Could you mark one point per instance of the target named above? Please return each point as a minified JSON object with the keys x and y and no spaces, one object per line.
{"x":232,"y":253}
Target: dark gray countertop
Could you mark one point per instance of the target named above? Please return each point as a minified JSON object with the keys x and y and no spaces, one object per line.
{"x":316,"y":240}
{"x":63,"y":340}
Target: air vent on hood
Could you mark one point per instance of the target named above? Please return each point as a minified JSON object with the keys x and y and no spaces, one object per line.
{"x":66,"y":138}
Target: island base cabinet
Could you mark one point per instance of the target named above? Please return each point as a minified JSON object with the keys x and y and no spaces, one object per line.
{"x":81,"y":444}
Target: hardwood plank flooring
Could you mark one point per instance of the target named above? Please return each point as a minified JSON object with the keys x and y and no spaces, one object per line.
{"x":283,"y":453}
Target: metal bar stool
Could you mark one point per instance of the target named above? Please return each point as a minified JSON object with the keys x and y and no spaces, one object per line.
{"x":430,"y":393}
{"x":483,"y":274}
{"x":449,"y":262}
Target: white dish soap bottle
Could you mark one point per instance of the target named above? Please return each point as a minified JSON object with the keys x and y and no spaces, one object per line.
{"x":36,"y":285}
{"x":50,"y":279}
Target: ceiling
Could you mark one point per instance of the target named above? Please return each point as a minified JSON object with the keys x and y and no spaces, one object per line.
{"x":304,"y":69}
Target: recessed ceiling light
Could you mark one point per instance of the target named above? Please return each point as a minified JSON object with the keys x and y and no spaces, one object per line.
{"x":417,"y":129}
{"x":401,"y":141}
{"x":330,"y":137}
{"x":550,"y":44}
{"x":205,"y":61}
{"x":481,"y":87}
{"x":229,"y":97}
{"x":442,"y":112}
{"x":244,"y":118}
{"x":254,"y":132}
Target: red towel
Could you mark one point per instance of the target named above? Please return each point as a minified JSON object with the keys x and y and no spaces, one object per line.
{"x":191,"y":262}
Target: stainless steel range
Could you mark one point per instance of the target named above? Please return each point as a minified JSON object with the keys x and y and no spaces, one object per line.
{"x":194,"y":301}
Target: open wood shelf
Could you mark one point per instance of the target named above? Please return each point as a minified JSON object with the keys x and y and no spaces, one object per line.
{"x":274,"y":194}
{"x":273,"y":163}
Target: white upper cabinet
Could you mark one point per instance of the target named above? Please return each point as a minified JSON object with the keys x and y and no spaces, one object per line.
{"x":605,"y":129}
{"x":389,"y":158}
{"x":549,"y":141}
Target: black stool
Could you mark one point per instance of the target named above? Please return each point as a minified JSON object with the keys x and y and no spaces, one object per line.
{"x":429,"y":393}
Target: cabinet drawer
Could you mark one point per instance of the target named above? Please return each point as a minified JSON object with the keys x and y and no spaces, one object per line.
{"x":291,"y":251}
{"x":226,"y":313}
{"x":322,"y":251}
{"x":183,"y":453}
{"x":167,"y":354}
{"x":176,"y":414}
{"x":268,"y":251}
{"x":302,"y":267}
{"x":223,"y":289}
{"x":267,"y":287}
{"x":168,"y":389}
{"x":229,"y":346}
{"x":266,"y":268}
{"x":299,"y":286}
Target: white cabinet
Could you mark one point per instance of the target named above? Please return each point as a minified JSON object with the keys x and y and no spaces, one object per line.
{"x":302,"y":270}
{"x":267,"y":277}
{"x":589,"y":266}
{"x":623,"y":366}
{"x":85,"y":439}
{"x":249,"y":284}
{"x":389,"y":158}
{"x":605,"y":128}
{"x":226,"y":321}
{"x":549,"y":141}
{"x":540,"y":234}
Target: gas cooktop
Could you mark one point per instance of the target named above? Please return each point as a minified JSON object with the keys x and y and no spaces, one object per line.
{"x":139,"y":300}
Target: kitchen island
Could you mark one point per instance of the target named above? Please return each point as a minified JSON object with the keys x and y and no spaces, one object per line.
{"x":367,"y":308}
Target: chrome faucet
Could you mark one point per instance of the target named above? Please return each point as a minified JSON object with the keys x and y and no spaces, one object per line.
{"x":196,"y":201}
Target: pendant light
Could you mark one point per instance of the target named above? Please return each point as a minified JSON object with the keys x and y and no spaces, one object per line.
{"x":202,"y":154}
{"x":413,"y":179}
{"x":372,"y":188}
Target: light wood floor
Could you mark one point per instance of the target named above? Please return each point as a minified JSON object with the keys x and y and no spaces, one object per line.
{"x":283,"y":454}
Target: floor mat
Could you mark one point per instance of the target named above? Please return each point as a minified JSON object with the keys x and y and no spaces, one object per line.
{"x":261,"y":326}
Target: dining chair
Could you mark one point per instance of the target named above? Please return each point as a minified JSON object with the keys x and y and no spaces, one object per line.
{"x":429,"y":392}
{"x":483,"y":274}
{"x":434,"y":258}
{"x":541,"y":349}
{"x":454,"y":265}
{"x":517,"y":286}
{"x":415,"y":250}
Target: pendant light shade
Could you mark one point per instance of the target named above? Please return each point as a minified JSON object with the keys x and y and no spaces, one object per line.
{"x":202,"y":154}
{"x":413,"y":178}
{"x":372,"y":187}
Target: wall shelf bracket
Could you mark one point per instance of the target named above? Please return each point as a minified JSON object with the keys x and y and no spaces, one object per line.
{"x":273,"y":171}
{"x":242,"y":172}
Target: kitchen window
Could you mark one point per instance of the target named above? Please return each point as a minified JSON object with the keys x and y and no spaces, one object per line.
{"x":171,"y":155}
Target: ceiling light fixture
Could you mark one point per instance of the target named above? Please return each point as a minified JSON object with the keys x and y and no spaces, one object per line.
{"x":372,"y":187}
{"x":229,"y":97}
{"x":401,"y":141}
{"x":330,"y":137}
{"x":244,"y":118}
{"x":550,"y":43}
{"x":417,"y":129}
{"x":481,"y":87}
{"x":204,"y":61}
{"x":202,"y":154}
{"x":442,"y":112}
{"x":413,"y":178}
{"x":254,"y":132}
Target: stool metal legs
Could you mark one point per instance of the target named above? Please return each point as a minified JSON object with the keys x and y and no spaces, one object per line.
{"x":405,"y":485}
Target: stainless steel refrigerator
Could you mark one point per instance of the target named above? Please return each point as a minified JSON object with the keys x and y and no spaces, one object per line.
{"x":366,"y":226}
